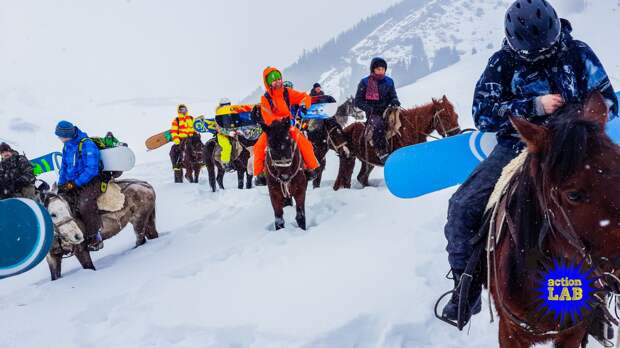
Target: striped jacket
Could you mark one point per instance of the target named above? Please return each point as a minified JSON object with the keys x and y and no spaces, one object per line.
{"x":182,"y":127}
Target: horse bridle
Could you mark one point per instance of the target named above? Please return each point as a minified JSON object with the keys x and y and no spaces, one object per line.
{"x":437,"y":124}
{"x":285,"y":185}
{"x":570,"y":235}
{"x":333,"y":143}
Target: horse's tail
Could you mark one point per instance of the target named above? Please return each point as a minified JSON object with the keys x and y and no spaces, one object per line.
{"x":150,"y":228}
{"x":207,"y":157}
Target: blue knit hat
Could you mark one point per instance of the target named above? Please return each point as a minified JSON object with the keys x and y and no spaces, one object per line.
{"x":65,"y":129}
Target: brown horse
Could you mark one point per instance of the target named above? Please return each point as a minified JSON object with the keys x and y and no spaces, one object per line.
{"x":286,"y":177}
{"x":138,"y":209}
{"x":406,"y":127}
{"x":191,"y":152}
{"x":552,"y":207}
{"x":240,"y":158}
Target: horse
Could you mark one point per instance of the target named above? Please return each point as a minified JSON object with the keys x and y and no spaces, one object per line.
{"x":240,"y":160}
{"x":346,"y":110}
{"x":551,"y":208}
{"x":191,"y":160}
{"x":325,"y":135}
{"x":286,"y":177}
{"x":138,"y":209}
{"x":405,"y":127}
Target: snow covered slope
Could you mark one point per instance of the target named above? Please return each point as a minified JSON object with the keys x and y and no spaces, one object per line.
{"x":365,"y":274}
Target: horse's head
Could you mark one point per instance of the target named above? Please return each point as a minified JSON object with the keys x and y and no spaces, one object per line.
{"x":65,"y":225}
{"x":445,"y":119}
{"x":576,"y":171}
{"x":348,"y":109}
{"x":281,"y":149}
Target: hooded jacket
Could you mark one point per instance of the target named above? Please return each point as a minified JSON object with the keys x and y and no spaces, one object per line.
{"x":83,"y":166}
{"x":280,"y":108}
{"x":510,"y":85}
{"x":15,"y":174}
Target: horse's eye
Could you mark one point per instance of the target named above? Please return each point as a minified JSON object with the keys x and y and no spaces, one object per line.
{"x":575,"y":196}
{"x":53,"y":215}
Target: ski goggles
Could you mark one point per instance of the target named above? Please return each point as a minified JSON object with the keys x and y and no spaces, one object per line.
{"x":273,"y":76}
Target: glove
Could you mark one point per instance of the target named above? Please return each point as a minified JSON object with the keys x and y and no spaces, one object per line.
{"x":67,"y":187}
{"x":303,"y":110}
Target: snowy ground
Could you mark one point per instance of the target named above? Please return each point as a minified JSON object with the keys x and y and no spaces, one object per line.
{"x":365,"y":274}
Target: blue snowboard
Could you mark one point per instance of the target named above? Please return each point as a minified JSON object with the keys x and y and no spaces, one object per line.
{"x":416,"y":170}
{"x":26,"y":233}
{"x":316,"y":111}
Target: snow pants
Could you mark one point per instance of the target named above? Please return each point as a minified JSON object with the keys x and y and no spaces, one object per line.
{"x":466,"y":206}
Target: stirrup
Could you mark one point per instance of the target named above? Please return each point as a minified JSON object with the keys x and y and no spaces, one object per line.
{"x":463,"y":289}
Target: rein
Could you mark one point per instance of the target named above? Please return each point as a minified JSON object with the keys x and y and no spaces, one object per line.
{"x":285,"y":185}
{"x":568,"y":234}
{"x":436,"y":124}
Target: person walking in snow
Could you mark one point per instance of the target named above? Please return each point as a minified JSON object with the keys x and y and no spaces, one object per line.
{"x":276,"y":105}
{"x":182,"y":128}
{"x":16,"y":175}
{"x":79,"y":181}
{"x":539,"y":69}
{"x":375,"y":94}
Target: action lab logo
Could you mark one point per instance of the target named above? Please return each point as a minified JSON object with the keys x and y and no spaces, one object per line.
{"x":566,"y":291}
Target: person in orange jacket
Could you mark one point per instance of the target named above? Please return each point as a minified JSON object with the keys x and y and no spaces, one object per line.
{"x":276,"y":105}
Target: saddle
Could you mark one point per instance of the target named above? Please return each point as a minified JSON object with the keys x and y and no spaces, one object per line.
{"x":393,"y":127}
{"x":237,"y":148}
{"x":112,"y":200}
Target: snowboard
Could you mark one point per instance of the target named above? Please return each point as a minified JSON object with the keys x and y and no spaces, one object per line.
{"x":202,"y":125}
{"x":316,"y":111}
{"x":118,"y":159}
{"x":158,"y":140}
{"x":416,"y":170}
{"x":26,"y":234}
{"x":46,"y":164}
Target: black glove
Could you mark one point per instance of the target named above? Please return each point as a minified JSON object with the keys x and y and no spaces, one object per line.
{"x":303,"y":110}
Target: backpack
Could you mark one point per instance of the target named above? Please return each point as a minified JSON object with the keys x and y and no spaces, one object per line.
{"x":287,"y":99}
{"x":102,"y":144}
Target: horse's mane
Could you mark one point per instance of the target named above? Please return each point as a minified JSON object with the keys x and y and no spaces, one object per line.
{"x":572,"y":139}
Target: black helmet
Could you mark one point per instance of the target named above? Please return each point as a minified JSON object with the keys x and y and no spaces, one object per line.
{"x":532,"y":27}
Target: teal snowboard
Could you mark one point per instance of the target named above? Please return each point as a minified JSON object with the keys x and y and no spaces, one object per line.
{"x":26,"y":234}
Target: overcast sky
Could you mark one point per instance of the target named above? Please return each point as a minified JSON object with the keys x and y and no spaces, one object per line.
{"x":111,"y":49}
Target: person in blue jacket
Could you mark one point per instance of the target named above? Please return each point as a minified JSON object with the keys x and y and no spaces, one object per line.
{"x":375,"y":94}
{"x":539,"y":69}
{"x":79,"y":181}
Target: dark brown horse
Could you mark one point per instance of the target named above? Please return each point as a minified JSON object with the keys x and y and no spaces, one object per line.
{"x":325,"y":135}
{"x":191,"y":160}
{"x":405,"y":127}
{"x":286,"y":177}
{"x":240,"y":158}
{"x":562,"y":203}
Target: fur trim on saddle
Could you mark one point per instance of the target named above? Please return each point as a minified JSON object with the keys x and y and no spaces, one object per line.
{"x":508,"y":173}
{"x":112,"y":200}
{"x":393,"y":123}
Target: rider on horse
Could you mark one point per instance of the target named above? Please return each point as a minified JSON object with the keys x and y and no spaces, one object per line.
{"x":16,"y":175}
{"x":316,"y":90}
{"x":225,"y":123}
{"x":536,"y":72}
{"x":375,"y":94}
{"x":181,"y":129}
{"x":276,"y":105}
{"x":79,"y":180}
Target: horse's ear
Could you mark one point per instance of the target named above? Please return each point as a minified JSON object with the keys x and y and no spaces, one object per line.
{"x":444,"y":98}
{"x":533,"y":135}
{"x":596,"y":110}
